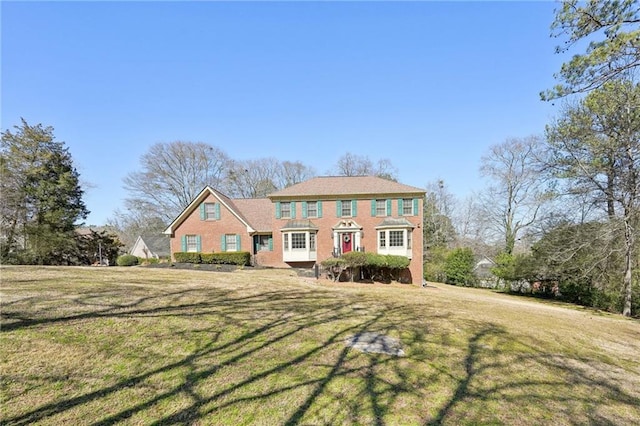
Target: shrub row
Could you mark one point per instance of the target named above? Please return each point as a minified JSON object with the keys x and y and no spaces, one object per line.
{"x":357,"y":258}
{"x":372,"y":265}
{"x":222,"y":258}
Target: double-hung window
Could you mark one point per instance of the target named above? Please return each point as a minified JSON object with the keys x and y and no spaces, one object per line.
{"x":312,"y":209}
{"x":231,"y":242}
{"x":382,"y":239}
{"x":345,"y":210}
{"x":285,"y":210}
{"x":381,"y":207}
{"x":407,"y":207}
{"x":312,"y":241}
{"x":209,"y":211}
{"x":191,"y":243}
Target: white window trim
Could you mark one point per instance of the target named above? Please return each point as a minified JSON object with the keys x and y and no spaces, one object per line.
{"x":282,"y":210}
{"x":411,"y":213}
{"x":233,"y":242}
{"x":212,"y":206}
{"x":306,"y":254}
{"x":315,"y":212}
{"x":404,"y":250}
{"x":193,"y":242}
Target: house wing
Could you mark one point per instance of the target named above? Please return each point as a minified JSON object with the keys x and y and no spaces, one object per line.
{"x":223,"y":199}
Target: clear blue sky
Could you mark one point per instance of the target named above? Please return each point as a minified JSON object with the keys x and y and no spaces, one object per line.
{"x":428,"y":85}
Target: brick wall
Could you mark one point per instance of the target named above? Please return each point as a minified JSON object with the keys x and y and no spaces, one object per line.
{"x":210,"y":231}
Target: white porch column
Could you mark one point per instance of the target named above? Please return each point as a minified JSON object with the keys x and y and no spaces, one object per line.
{"x":357,"y":240}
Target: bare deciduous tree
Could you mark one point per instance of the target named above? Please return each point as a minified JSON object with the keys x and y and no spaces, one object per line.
{"x":292,"y":172}
{"x":253,"y":178}
{"x":171,"y":175}
{"x":358,"y":165}
{"x":438,"y":212}
{"x":514,"y":199}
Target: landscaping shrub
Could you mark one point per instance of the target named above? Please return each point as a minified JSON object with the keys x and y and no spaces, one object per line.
{"x":377,"y":267}
{"x":333,"y":266}
{"x":187,"y":257}
{"x":127,"y":260}
{"x":435,"y":263}
{"x":459,"y":267}
{"x":241,"y":258}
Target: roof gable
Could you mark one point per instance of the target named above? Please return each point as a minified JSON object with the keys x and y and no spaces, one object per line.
{"x":227,"y":202}
{"x":157,"y":243}
{"x":338,"y":186}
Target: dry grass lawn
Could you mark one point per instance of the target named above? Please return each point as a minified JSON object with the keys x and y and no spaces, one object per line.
{"x":102,"y":346}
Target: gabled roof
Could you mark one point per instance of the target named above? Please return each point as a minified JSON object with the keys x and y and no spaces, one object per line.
{"x":223,"y":199}
{"x":339,"y":186}
{"x":157,"y":243}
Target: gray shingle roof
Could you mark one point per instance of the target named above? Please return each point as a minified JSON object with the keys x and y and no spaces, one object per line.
{"x":157,"y":243}
{"x":299,"y":224}
{"x":395,"y":223}
{"x":258,"y":212}
{"x":332,"y":186}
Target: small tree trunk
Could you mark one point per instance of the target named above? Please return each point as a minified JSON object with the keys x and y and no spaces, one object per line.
{"x":628,"y":267}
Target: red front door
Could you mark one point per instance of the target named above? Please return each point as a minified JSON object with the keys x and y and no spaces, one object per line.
{"x":347,"y":243}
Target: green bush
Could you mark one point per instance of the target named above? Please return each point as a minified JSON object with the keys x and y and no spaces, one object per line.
{"x":378,"y":267}
{"x":434,"y":265}
{"x":127,"y":260}
{"x":397,"y":262}
{"x":241,"y":258}
{"x":332,"y":262}
{"x":187,"y":257}
{"x":459,"y":267}
{"x":355,"y":259}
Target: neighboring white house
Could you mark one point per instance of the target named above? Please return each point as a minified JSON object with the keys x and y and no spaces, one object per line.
{"x":151,"y":246}
{"x":482,"y":270}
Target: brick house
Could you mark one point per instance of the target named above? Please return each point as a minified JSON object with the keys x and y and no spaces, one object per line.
{"x":308,"y":222}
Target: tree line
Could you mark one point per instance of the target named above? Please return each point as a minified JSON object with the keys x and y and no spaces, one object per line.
{"x":559,"y":214}
{"x":561,"y":211}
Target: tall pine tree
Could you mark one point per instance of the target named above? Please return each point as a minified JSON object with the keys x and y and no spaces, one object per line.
{"x":41,"y":197}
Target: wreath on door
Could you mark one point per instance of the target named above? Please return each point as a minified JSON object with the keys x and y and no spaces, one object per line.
{"x":347,"y":238}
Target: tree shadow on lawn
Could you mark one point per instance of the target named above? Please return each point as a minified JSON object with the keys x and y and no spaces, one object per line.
{"x":290,"y":313}
{"x":572,"y":389}
{"x":375,"y":381}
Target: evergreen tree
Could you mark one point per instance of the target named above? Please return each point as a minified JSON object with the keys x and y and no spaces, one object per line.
{"x":41,"y":197}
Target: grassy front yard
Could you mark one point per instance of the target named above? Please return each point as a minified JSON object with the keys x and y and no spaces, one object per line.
{"x":103,"y":346}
